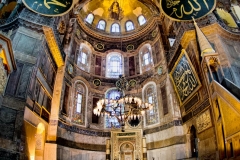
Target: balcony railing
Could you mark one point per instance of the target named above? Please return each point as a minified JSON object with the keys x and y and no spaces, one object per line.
{"x":41,"y":111}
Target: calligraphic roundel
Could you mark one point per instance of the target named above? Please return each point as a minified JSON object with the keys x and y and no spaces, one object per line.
{"x":184,"y":10}
{"x":49,"y":7}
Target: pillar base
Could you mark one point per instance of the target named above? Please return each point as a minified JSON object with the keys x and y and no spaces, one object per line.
{"x":50,"y":151}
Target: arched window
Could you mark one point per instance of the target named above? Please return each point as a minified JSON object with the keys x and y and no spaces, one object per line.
{"x":141,"y":20}
{"x":150,"y":96}
{"x":114,"y":65}
{"x":79,"y":107}
{"x":111,"y":121}
{"x":115,"y":28}
{"x":83,"y":59}
{"x":129,"y":26}
{"x":101,"y":25}
{"x":90,"y":18}
{"x":146,"y":60}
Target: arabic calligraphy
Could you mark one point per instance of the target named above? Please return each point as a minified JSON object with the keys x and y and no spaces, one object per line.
{"x":184,"y":78}
{"x":49,"y":7}
{"x":185,"y":9}
{"x":204,"y":121}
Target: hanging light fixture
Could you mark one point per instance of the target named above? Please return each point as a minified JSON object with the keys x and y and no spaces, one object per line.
{"x":123,"y":108}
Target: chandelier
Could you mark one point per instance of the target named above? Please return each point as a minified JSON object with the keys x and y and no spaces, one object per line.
{"x":124,"y":108}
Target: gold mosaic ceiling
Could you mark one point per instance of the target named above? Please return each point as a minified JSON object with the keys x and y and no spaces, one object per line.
{"x":129,"y":10}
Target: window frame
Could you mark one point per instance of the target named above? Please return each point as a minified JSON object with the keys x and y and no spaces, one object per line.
{"x":105,"y":24}
{"x":140,"y":20}
{"x":87,"y":18}
{"x":119,"y":27}
{"x":129,"y":21}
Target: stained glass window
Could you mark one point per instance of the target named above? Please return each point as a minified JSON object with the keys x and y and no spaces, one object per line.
{"x":146,"y":58}
{"x":114,"y":65}
{"x":101,"y":25}
{"x":141,"y":20}
{"x":112,"y":121}
{"x":129,"y":26}
{"x":78,"y":115}
{"x":84,"y":57}
{"x":90,"y":18}
{"x":151,"y":97}
{"x":115,"y":27}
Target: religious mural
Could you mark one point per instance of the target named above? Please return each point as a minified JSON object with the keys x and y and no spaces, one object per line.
{"x":184,"y":77}
{"x":49,"y":7}
{"x":185,"y":10}
{"x":115,"y":12}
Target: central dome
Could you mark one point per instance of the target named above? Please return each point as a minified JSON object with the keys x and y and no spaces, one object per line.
{"x":117,"y":17}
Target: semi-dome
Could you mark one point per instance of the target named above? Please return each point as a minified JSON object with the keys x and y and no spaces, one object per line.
{"x":115,"y":17}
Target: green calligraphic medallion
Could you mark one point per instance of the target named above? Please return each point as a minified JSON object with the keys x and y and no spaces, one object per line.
{"x":49,"y":7}
{"x":184,"y":10}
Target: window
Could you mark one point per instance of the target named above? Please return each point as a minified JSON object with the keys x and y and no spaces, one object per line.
{"x":115,"y":28}
{"x":112,"y":121}
{"x":90,"y":18}
{"x":146,"y":58}
{"x":129,"y":26}
{"x":83,"y":58}
{"x":114,"y":65}
{"x":101,"y":25}
{"x":79,"y":107}
{"x":79,"y":102}
{"x":150,"y":96}
{"x":141,"y":20}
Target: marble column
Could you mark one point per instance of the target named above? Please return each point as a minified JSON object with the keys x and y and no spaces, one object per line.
{"x":108,"y":149}
{"x":144,"y":145}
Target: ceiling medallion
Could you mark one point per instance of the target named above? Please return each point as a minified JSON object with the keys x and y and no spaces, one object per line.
{"x":132,"y":83}
{"x":160,"y":70}
{"x":97,"y":82}
{"x":100,"y":46}
{"x":130,"y":47}
{"x":70,"y":69}
{"x":49,"y":7}
{"x":154,"y":33}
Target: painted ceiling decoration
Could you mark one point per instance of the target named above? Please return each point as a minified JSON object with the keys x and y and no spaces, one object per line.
{"x":185,"y":10}
{"x":49,"y":7}
{"x":116,"y":11}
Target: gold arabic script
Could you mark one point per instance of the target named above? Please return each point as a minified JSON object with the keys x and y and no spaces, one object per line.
{"x":181,"y":10}
{"x":184,"y":79}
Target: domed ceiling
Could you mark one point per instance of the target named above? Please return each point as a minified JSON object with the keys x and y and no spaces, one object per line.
{"x":118,"y":11}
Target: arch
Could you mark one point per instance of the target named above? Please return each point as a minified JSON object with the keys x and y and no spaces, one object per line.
{"x":193,"y":140}
{"x":127,"y":151}
{"x":145,"y":58}
{"x":129,"y":25}
{"x":115,"y":28}
{"x":89,"y":19}
{"x":149,"y":94}
{"x":83,"y":58}
{"x":141,"y":20}
{"x":79,"y":105}
{"x":114,"y":65}
{"x":101,"y":24}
